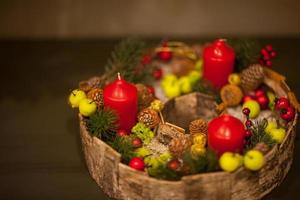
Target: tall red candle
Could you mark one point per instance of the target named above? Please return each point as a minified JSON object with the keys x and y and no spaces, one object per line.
{"x":218,"y":62}
{"x":122,"y":97}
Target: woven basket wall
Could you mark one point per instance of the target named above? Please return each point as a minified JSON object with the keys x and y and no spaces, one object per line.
{"x":119,"y":181}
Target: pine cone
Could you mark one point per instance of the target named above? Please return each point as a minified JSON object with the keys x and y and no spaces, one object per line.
{"x":179,"y":145}
{"x":149,"y":117}
{"x":262,"y":147}
{"x":252,"y":77}
{"x":231,"y":95}
{"x":198,"y":126}
{"x":144,"y":96}
{"x":91,"y":83}
{"x":96,"y":95}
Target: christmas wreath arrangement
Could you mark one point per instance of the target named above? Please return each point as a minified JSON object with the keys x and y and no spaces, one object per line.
{"x":182,"y":121}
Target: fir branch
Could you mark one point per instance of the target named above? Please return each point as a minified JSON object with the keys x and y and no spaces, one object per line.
{"x":163,"y":172}
{"x":124,"y":146}
{"x":259,"y":135}
{"x":203,"y":86}
{"x":102,"y":124}
{"x":247,"y":52}
{"x":126,"y":59}
{"x":206,"y":163}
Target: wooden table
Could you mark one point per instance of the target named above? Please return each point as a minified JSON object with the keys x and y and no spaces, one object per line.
{"x":40,"y":150}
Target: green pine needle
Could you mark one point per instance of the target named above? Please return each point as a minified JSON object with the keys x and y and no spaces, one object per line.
{"x":126,"y":59}
{"x":247,"y":52}
{"x":124,"y":146}
{"x":206,"y":163}
{"x":102,"y":124}
{"x":259,"y":135}
{"x":205,"y":87}
{"x":163,"y":172}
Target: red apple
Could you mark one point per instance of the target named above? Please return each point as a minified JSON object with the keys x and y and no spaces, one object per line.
{"x":226,"y":133}
{"x":282,"y":103}
{"x":146,"y":59}
{"x":174,"y":164}
{"x":288,"y":114}
{"x":121,"y":133}
{"x":165,"y":55}
{"x":263,"y":101}
{"x":247,"y":98}
{"x":137,"y":142}
{"x":137,"y":164}
{"x":259,"y":93}
{"x":151,"y":90}
{"x":157,"y":74}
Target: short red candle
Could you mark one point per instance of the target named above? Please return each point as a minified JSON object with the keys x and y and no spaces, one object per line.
{"x":121,"y":96}
{"x":218,"y":62}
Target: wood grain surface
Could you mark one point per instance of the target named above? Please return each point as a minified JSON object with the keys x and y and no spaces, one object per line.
{"x":40,"y":150}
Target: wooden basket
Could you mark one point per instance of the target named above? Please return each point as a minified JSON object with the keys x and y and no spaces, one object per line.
{"x":119,"y":181}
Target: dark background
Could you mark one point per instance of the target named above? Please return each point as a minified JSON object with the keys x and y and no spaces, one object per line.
{"x":47,"y":47}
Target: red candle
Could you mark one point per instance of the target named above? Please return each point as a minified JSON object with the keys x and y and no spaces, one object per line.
{"x":121,"y":96}
{"x":218,"y":62}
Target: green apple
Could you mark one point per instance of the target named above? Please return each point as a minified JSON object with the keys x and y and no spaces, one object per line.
{"x":277,"y":134}
{"x":271,"y":125}
{"x":254,"y":160}
{"x":87,"y":107}
{"x":185,"y":84}
{"x":194,"y":76}
{"x":253,"y":107}
{"x":230,"y":162}
{"x":241,"y":158}
{"x":234,"y":79}
{"x":172,"y":90}
{"x":75,"y":97}
{"x":168,"y":79}
{"x":271,"y":96}
{"x":170,"y":86}
{"x":199,"y":64}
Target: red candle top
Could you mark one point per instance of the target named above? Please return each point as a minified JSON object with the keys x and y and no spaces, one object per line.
{"x":120,"y":90}
{"x":219,"y":50}
{"x":121,"y":96}
{"x":218,"y":60}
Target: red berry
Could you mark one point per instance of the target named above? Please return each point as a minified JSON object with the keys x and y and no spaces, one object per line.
{"x":288,"y":114}
{"x":282,"y":103}
{"x":246,"y":111}
{"x":267,"y":57}
{"x":247,"y":98}
{"x":264,"y":51}
{"x":121,"y":132}
{"x":259,"y":93}
{"x":174,"y":164}
{"x":269,"y":63}
{"x":157,"y":74}
{"x":248,"y":133}
{"x":248,"y":123}
{"x":151,"y":90}
{"x":263,"y":101}
{"x":137,"y":142}
{"x":165,"y":55}
{"x":164,"y":44}
{"x":273,"y":54}
{"x":137,"y":163}
{"x":146,"y":59}
{"x":269,"y":47}
{"x":261,"y":61}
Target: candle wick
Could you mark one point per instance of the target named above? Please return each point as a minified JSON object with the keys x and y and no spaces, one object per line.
{"x":119,"y":76}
